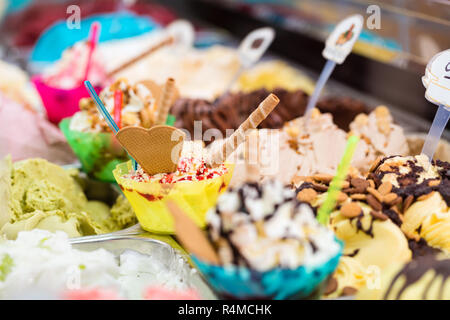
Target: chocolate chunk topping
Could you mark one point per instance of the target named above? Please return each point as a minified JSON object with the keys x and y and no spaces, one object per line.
{"x":421,"y":248}
{"x":349,"y":291}
{"x":407,"y":203}
{"x":359,"y":184}
{"x":331,"y":287}
{"x":393,"y":216}
{"x":444,"y":190}
{"x":444,"y":169}
{"x":406,"y":180}
{"x":379,"y":215}
{"x":374,"y":203}
{"x":319,"y":187}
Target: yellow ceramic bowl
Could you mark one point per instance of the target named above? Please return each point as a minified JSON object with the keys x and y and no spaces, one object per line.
{"x":148,"y":199}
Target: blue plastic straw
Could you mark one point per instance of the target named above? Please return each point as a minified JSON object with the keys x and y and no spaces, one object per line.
{"x":102,"y":109}
{"x":434,"y":135}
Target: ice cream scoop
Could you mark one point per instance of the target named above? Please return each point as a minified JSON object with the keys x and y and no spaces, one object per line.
{"x":424,"y":278}
{"x":424,"y":188}
{"x":263,"y":237}
{"x":267,"y":227}
{"x":27,"y":134}
{"x":139,"y":107}
{"x":230,"y":110}
{"x":367,"y":219}
{"x":193,"y":186}
{"x":380,"y":132}
{"x":15,"y":85}
{"x":42,"y":195}
{"x":271,"y":75}
{"x":61,"y":86}
{"x":297,"y":150}
{"x":69,"y":71}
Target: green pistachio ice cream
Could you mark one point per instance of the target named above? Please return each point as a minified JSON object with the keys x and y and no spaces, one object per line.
{"x":36,"y":194}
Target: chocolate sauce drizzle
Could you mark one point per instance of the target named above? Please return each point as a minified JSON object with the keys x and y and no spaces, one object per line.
{"x":353,"y":254}
{"x":416,"y":269}
{"x":421,"y":248}
{"x":359,"y":226}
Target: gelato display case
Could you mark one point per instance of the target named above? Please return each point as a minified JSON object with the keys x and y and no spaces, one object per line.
{"x":224,"y":150}
{"x":389,"y":57}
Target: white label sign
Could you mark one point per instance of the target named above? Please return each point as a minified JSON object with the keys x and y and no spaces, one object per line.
{"x":437,"y":79}
{"x":254,"y":45}
{"x":183,"y":33}
{"x":340,"y":42}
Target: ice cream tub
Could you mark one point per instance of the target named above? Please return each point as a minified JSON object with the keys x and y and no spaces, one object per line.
{"x":239,"y":282}
{"x":148,"y":199}
{"x":46,"y":265}
{"x":156,"y":249}
{"x":98,"y":152}
{"x":60,"y":103}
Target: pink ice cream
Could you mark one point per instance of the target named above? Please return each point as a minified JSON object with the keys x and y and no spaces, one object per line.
{"x":160,"y":293}
{"x":91,"y":294}
{"x":27,"y":134}
{"x":69,"y":71}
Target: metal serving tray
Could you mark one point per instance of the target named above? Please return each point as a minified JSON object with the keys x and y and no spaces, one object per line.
{"x":154,"y":248}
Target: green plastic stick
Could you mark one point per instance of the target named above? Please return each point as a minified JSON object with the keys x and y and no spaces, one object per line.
{"x":170,"y":120}
{"x":336,"y":184}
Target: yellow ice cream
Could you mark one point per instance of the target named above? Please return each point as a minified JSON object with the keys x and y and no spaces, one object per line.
{"x":425,"y":184}
{"x":274,"y":74}
{"x":350,"y":273}
{"x":425,"y":278}
{"x":376,"y":242}
{"x":370,"y":245}
{"x":39,"y":194}
{"x":429,"y":219}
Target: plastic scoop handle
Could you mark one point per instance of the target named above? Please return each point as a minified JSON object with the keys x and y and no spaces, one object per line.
{"x":324,"y":76}
{"x":251,"y":49}
{"x":254,"y":45}
{"x":434,"y":135}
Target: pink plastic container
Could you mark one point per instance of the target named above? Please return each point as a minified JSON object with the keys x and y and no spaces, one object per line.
{"x":60,"y":103}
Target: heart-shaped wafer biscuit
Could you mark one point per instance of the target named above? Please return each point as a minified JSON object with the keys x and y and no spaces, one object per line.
{"x":157,"y":149}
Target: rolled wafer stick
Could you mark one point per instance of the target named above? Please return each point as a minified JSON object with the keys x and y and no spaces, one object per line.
{"x":166,"y":101}
{"x":191,"y":236}
{"x":165,"y":42}
{"x":257,"y":116}
{"x":251,"y":156}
